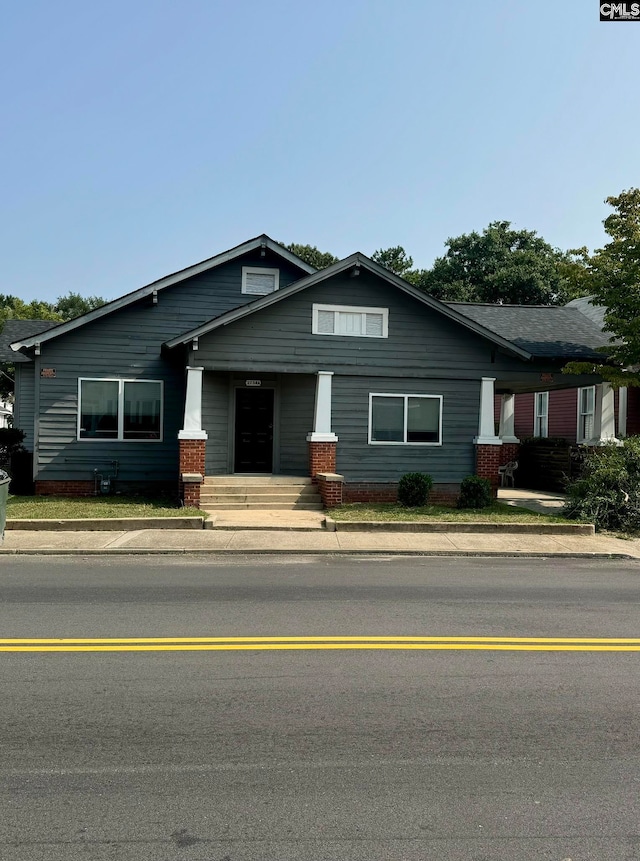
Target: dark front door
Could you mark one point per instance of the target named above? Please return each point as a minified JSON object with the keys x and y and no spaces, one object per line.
{"x":254,"y":430}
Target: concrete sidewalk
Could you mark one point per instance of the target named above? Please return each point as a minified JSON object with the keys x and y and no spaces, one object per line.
{"x":230,"y":541}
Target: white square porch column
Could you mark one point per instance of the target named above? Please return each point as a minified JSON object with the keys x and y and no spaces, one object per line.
{"x":604,"y":416}
{"x":507,"y":431}
{"x":322,"y":412}
{"x":486,"y":422}
{"x":622,"y":411}
{"x":192,"y":424}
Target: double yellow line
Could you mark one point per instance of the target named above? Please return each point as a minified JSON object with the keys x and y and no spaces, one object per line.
{"x":254,"y":644}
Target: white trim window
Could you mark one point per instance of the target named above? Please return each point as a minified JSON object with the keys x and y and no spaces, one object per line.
{"x":405,"y":419}
{"x":586,"y":413}
{"x":260,"y":281}
{"x":120,"y":410}
{"x":350,"y":321}
{"x":541,"y":414}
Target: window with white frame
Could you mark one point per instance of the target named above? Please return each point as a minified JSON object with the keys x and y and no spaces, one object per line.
{"x":349,"y":320}
{"x":586,"y":412}
{"x":541,"y":416}
{"x":405,"y":419}
{"x":259,"y":281}
{"x":120,"y":409}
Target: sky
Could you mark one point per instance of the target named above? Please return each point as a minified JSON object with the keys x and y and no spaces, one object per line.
{"x":140,"y":137}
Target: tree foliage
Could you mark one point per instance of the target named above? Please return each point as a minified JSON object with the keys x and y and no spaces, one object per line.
{"x":499,"y":266}
{"x":312,"y":255}
{"x":396,"y":259}
{"x":614,"y":282}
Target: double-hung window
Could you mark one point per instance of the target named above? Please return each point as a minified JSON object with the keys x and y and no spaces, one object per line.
{"x":405,"y":419}
{"x":541,"y":416}
{"x":349,"y":320}
{"x":120,"y":409}
{"x":586,"y":411}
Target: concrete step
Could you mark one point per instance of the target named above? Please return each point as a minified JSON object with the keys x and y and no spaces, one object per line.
{"x":260,"y":489}
{"x":261,"y":506}
{"x":247,"y":479}
{"x":207,"y":497}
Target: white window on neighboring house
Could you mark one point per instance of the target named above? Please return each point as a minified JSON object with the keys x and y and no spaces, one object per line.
{"x":405,"y":419}
{"x":541,"y":417}
{"x":586,"y":410}
{"x":350,"y":321}
{"x":120,"y":410}
{"x":258,"y":281}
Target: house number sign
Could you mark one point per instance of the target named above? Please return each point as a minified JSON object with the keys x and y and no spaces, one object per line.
{"x":253,"y":383}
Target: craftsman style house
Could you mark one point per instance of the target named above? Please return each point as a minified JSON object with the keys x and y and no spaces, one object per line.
{"x":252,"y":362}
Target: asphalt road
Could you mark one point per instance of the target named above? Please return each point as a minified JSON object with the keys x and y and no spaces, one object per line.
{"x":310,"y":755}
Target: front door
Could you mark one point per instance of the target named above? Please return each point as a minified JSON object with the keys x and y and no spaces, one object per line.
{"x":254,"y":430}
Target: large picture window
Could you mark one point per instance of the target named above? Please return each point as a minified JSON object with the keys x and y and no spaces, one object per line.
{"x":120,"y":409}
{"x":405,"y":419}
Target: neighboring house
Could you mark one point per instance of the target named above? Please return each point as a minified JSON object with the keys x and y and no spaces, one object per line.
{"x":253,"y":362}
{"x":11,"y":331}
{"x":575,"y":414}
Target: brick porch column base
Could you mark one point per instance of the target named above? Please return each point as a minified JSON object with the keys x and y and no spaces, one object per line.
{"x":510,"y":451}
{"x":488,"y":459}
{"x":330,"y":487}
{"x":191,"y":470}
{"x":322,"y":458}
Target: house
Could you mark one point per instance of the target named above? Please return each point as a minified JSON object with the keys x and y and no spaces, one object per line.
{"x":251,"y":362}
{"x":576,"y":414}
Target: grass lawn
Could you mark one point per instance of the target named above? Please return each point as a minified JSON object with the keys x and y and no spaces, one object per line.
{"x":64,"y":507}
{"x":499,"y":512}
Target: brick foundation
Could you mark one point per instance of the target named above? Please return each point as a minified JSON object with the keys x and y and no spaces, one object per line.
{"x":364,"y":491}
{"x":322,"y":458}
{"x":65,"y":488}
{"x":192,"y":458}
{"x":488,"y":459}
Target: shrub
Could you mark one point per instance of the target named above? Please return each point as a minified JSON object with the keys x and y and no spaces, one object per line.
{"x":475,"y":492}
{"x":608,"y":490}
{"x":11,"y":440}
{"x":414,"y":488}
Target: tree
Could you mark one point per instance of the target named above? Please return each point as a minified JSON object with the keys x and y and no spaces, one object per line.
{"x":500,"y":266}
{"x":311,"y":255}
{"x":74,"y":305}
{"x":396,"y":259}
{"x":614,"y":279}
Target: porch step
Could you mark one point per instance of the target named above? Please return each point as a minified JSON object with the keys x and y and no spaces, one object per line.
{"x":261,"y":506}
{"x":260,"y":493}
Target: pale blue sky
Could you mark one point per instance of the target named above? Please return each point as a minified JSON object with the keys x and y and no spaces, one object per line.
{"x":139,"y":137}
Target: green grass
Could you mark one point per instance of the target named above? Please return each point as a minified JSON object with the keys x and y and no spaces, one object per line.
{"x":66,"y":508}
{"x":499,"y":512}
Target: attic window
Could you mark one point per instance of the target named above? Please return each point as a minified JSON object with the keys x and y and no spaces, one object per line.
{"x":348,"y":320}
{"x":258,"y":281}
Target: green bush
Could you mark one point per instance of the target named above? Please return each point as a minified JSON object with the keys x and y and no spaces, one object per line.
{"x":475,"y":492}
{"x":414,"y":488}
{"x":608,"y":490}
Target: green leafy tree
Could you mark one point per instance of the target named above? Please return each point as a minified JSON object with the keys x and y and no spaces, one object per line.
{"x":311,"y":255}
{"x":396,"y":259}
{"x":614,"y":282}
{"x":74,"y":305}
{"x":499,"y":266}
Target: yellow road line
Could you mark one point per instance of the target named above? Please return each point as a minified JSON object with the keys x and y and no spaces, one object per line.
{"x":72,"y":641}
{"x":589,"y":646}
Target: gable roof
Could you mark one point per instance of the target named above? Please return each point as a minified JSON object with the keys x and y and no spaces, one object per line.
{"x":357,"y":260}
{"x":594,"y":312}
{"x":545,"y":331}
{"x":15,"y":329}
{"x":262,"y":241}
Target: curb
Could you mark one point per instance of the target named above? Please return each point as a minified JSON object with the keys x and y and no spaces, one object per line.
{"x":495,"y":554}
{"x":114,"y":524}
{"x":460,"y":526}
